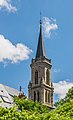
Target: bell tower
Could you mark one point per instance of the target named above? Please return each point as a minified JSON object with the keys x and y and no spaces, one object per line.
{"x":40,"y":87}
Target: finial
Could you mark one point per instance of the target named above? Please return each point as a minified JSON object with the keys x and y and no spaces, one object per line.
{"x":40,"y":18}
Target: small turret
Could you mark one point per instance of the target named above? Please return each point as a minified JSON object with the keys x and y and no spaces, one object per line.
{"x":21,"y":93}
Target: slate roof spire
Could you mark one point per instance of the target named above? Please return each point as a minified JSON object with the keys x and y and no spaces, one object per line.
{"x":40,"y":47}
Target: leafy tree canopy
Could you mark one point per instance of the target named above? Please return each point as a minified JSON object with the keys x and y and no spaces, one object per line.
{"x":25,"y":109}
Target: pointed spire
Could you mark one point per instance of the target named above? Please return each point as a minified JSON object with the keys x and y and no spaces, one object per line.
{"x":40,"y":48}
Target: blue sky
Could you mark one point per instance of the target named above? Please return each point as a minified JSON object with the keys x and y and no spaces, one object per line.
{"x":19,"y":30}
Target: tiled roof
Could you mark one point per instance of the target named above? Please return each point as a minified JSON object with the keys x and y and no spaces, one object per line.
{"x":6,"y":96}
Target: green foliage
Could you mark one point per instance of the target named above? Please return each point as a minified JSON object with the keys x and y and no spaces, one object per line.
{"x":25,"y":109}
{"x":67,"y":98}
{"x":30,"y":105}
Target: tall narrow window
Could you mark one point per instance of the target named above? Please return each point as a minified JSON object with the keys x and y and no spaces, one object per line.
{"x":34,"y":96}
{"x":47,"y":76}
{"x":49,"y":97}
{"x":36,"y":77}
{"x":52,"y":97}
{"x":38,"y":97}
{"x":45,"y":96}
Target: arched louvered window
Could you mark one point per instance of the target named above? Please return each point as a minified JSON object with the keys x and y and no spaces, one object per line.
{"x":36,"y":77}
{"x":47,"y":76}
{"x":38,"y":97}
{"x":34,"y":96}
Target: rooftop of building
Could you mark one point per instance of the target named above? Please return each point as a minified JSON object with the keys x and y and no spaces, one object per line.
{"x":6,"y":96}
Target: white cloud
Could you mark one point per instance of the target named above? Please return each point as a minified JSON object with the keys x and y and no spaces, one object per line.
{"x":7,"y":4}
{"x":49,"y":25}
{"x":61,"y":88}
{"x":12,"y":53}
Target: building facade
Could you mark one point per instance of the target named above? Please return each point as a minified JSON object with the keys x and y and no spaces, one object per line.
{"x":40,"y":87}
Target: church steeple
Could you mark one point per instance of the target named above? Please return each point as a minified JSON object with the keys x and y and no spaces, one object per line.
{"x":40,"y":48}
{"x":40,"y":87}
